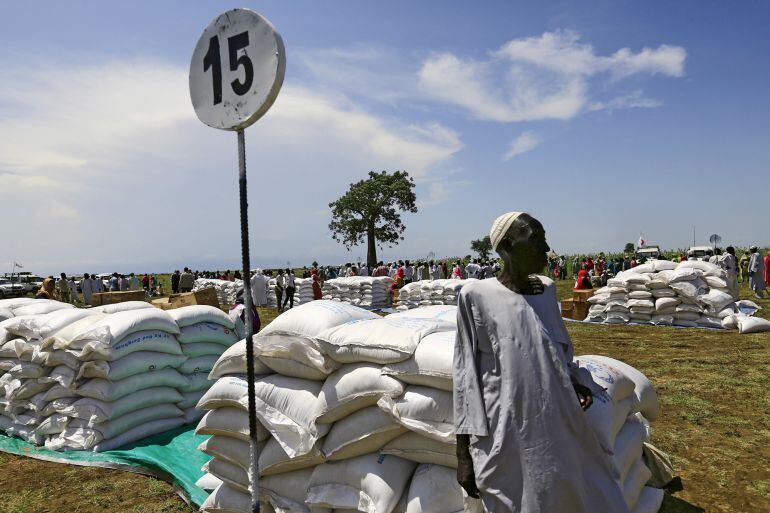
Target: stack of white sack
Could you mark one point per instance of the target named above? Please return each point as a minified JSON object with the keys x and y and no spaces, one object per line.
{"x":21,"y":369}
{"x":355,"y":412}
{"x":429,"y":292}
{"x":103,"y":377}
{"x":272,"y":301}
{"x":226,"y":290}
{"x":687,"y":294}
{"x":363,"y":291}
{"x":620,"y":417}
{"x":303,"y":290}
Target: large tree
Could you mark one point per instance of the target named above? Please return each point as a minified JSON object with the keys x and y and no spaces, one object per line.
{"x":482,"y":246}
{"x":371,"y":209}
{"x":630,"y":248}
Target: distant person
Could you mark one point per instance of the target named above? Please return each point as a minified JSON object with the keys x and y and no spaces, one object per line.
{"x":97,"y":285}
{"x":472,"y":269}
{"x":457,"y":272}
{"x":237,"y":275}
{"x":364,"y":270}
{"x":317,"y":292}
{"x":767,"y":269}
{"x":47,"y":289}
{"x":583,"y":282}
{"x":114,"y":283}
{"x":259,"y":288}
{"x":74,"y":296}
{"x":133,"y":282}
{"x":756,"y":273}
{"x":279,"y":288}
{"x":238,"y":315}
{"x":87,"y":286}
{"x":175,"y":282}
{"x":729,"y":263}
{"x":123,"y":283}
{"x":290,"y":288}
{"x":186,"y":281}
{"x":153,"y":285}
{"x":63,"y":289}
{"x":743,"y":265}
{"x":146,"y":283}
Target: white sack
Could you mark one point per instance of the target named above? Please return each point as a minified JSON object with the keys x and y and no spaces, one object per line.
{"x":351,"y":388}
{"x":431,"y":364}
{"x":415,"y":447}
{"x":362,"y":432}
{"x":427,"y":411}
{"x":211,"y":332}
{"x":233,"y":361}
{"x":194,"y":314}
{"x":130,"y":365}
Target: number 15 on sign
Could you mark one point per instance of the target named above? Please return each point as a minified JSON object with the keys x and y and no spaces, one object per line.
{"x":236,"y":70}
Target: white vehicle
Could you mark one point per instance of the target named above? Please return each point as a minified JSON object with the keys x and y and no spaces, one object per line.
{"x":10,"y":289}
{"x":648,"y":253}
{"x":700,"y":253}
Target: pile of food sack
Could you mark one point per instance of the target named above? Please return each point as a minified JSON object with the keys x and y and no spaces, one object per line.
{"x":99,"y":378}
{"x":355,"y":412}
{"x":687,"y":294}
{"x":363,"y":291}
{"x":429,"y":292}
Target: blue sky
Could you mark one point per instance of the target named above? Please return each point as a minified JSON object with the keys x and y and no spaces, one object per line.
{"x":603,"y":119}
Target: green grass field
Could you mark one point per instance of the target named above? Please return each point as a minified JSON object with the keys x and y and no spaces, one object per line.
{"x":715,"y":425}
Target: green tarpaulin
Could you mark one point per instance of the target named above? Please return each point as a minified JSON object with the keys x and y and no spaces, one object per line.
{"x":172,"y":456}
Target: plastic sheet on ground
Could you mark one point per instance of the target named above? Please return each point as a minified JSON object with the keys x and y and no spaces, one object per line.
{"x":171,"y":456}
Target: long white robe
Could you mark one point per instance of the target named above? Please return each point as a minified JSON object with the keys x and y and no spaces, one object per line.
{"x":259,"y":290}
{"x":532,"y":448}
{"x":757,"y":274}
{"x":87,"y":285}
{"x":133,"y":283}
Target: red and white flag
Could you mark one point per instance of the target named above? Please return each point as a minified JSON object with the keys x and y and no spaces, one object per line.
{"x":642,"y":242}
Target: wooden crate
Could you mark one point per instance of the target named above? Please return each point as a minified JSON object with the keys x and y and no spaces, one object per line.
{"x":110,"y":298}
{"x":206,"y":296}
{"x":581,"y":296}
{"x":571,"y":309}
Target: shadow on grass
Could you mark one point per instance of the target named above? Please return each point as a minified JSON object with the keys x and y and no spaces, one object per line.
{"x":673,"y":504}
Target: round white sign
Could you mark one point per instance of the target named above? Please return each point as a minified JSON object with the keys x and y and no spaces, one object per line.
{"x":237,"y":69}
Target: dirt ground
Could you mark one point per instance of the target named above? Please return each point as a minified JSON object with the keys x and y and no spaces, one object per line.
{"x":715,"y":425}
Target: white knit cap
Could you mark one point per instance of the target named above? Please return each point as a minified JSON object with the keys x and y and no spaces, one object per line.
{"x":500,"y":227}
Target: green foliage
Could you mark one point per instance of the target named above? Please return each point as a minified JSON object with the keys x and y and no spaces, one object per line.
{"x":482,"y":246}
{"x":371,"y":211}
{"x":630,"y":248}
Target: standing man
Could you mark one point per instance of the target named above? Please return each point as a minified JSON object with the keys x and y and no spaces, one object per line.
{"x":729,"y":263}
{"x":175,"y":282}
{"x":756,"y":273}
{"x":288,"y":281}
{"x":73,"y":290}
{"x":114,"y":285}
{"x":767,"y":269}
{"x":259,"y":288}
{"x":524,"y":444}
{"x":96,"y":284}
{"x":133,"y":282}
{"x":186,"y":281}
{"x":743,"y":265}
{"x":408,"y":272}
{"x":87,"y":286}
{"x":63,"y":289}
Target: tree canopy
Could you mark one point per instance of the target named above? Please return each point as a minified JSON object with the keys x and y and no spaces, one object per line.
{"x":482,"y":246}
{"x":630,"y":248}
{"x":371,"y":210}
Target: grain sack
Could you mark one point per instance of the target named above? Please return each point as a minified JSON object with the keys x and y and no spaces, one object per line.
{"x":285,"y":406}
{"x":369,"y":483}
{"x":150,"y":340}
{"x":100,"y":411}
{"x":43,"y":326}
{"x":228,"y":473}
{"x":231,"y":450}
{"x":382,"y":340}
{"x":40,"y":308}
{"x":649,"y":501}
{"x":431,"y":364}
{"x":125,"y":306}
{"x":130,"y":365}
{"x":226,"y":499}
{"x":415,"y":447}
{"x":233,"y":361}
{"x":362,"y":432}
{"x":196,"y":314}
{"x":424,"y":410}
{"x":208,"y":483}
{"x":210,"y":332}
{"x":628,"y":446}
{"x":642,"y":387}
{"x":105,"y":390}
{"x":434,"y":489}
{"x":634,"y":483}
{"x":198,"y":364}
{"x":114,"y":327}
{"x":287,"y":492}
{"x":274,"y":460}
{"x":230,"y":422}
{"x":351,"y":388}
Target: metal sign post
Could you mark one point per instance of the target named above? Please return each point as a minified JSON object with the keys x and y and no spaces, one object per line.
{"x":233,"y":98}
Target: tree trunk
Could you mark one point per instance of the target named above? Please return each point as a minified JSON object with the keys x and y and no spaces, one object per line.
{"x":371,"y":246}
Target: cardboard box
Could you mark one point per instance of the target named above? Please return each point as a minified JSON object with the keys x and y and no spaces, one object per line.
{"x":110,"y":298}
{"x":206,"y":296}
{"x":571,"y":309}
{"x":581,"y":296}
{"x":163,"y":304}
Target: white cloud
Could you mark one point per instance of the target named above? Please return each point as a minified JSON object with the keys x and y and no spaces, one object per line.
{"x":632,"y":100}
{"x":544,"y":77}
{"x":522,"y":144}
{"x":113,"y":167}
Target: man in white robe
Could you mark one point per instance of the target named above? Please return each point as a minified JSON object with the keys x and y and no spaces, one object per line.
{"x":87,"y":286}
{"x":259,"y":288}
{"x":133,"y":282}
{"x":729,"y":263}
{"x":524,"y":444}
{"x":756,"y":273}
